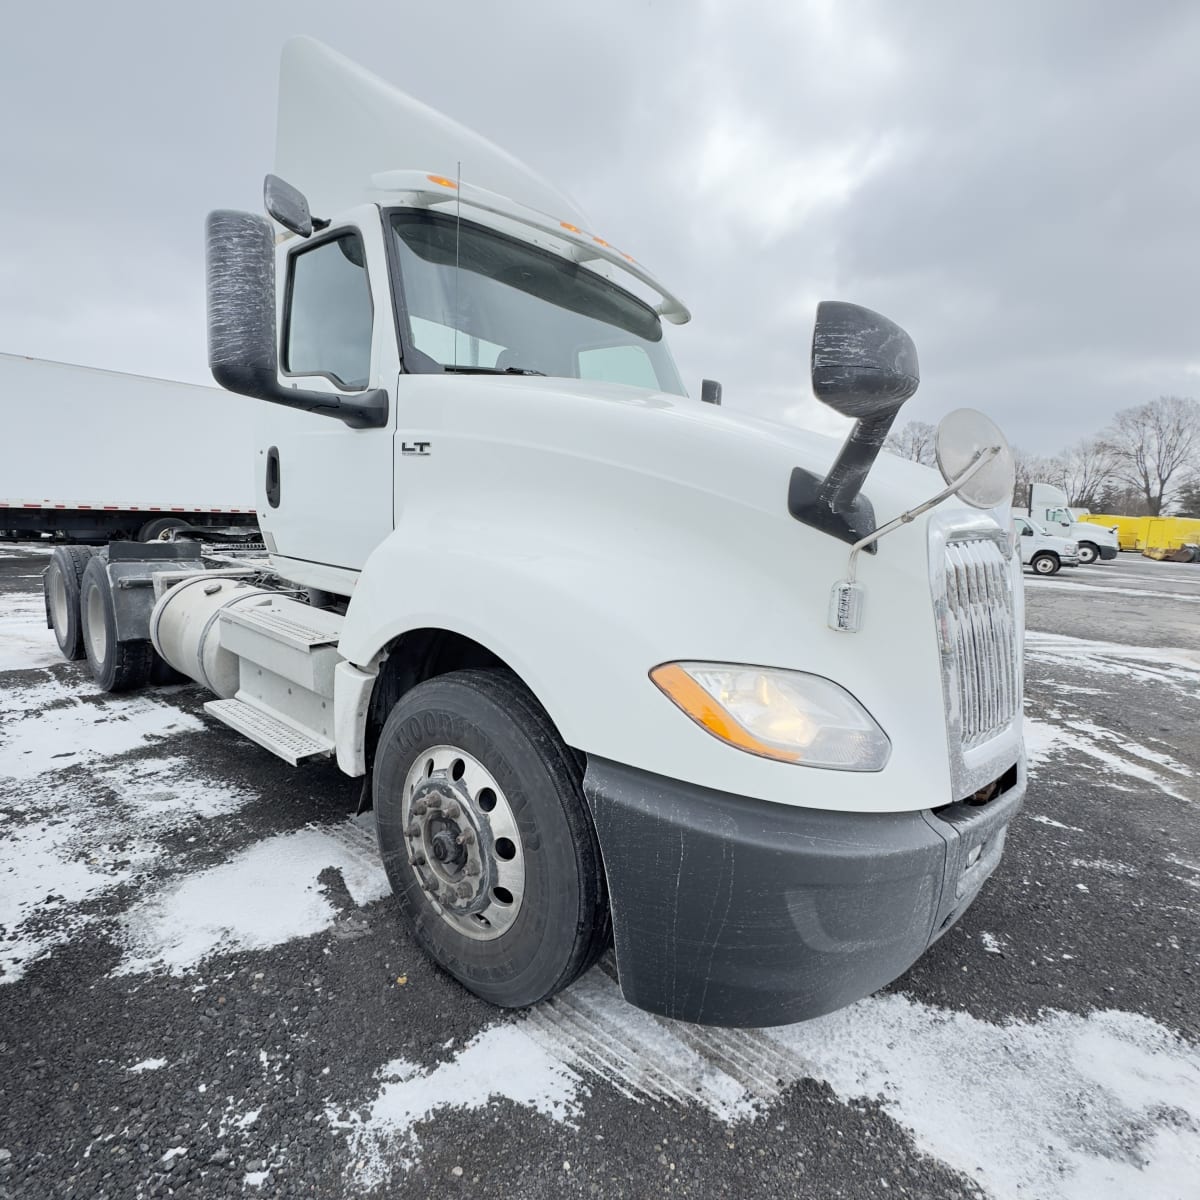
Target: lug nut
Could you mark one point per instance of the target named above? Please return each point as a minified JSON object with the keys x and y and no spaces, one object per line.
{"x":414,"y":830}
{"x":472,"y":868}
{"x":420,"y":808}
{"x":452,"y":810}
{"x":466,"y":838}
{"x":434,"y":802}
{"x":464,"y":891}
{"x":417,"y":860}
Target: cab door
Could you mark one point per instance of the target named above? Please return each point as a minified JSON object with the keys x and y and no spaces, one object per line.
{"x":324,"y":488}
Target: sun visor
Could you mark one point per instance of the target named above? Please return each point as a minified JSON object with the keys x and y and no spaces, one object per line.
{"x":339,"y":125}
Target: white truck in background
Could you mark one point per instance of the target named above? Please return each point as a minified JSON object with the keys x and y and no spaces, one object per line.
{"x":1044,"y":553}
{"x":1048,"y":507}
{"x":89,"y":456}
{"x":615,"y":665}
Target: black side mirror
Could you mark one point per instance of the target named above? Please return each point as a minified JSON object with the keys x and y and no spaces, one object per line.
{"x":288,"y":205}
{"x":710,"y":391}
{"x":863,"y":366}
{"x":242,"y":347}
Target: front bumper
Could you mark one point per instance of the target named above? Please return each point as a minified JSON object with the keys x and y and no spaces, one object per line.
{"x":733,"y":911}
{"x":1107,"y":552}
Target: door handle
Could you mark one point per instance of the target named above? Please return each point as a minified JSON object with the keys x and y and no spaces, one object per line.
{"x":273,"y":477}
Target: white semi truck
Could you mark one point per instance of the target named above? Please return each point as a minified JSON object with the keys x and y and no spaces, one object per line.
{"x":186,"y":454}
{"x":614,"y":665}
{"x":1048,"y":507}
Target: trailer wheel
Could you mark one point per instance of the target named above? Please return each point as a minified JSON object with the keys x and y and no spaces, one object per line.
{"x":153,"y":530}
{"x":1045,"y":563}
{"x":116,"y":666}
{"x":1088,"y":553}
{"x":60,"y":586}
{"x":486,"y":837}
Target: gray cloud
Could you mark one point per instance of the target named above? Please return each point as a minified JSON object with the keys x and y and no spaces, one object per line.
{"x":1016,"y":184}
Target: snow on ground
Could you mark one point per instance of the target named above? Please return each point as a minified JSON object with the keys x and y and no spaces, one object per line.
{"x":1106,"y":1105}
{"x":1039,"y":583}
{"x":263,"y":896}
{"x":1147,"y":664}
{"x":24,"y":639}
{"x":52,"y":739}
{"x":1096,"y":1108}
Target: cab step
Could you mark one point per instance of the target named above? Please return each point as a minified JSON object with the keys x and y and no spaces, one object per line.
{"x":289,"y":743}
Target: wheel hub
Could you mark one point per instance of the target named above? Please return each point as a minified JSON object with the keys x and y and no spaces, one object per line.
{"x":463,"y":843}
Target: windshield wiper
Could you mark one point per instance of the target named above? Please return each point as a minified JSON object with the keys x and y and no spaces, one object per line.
{"x":460,"y":370}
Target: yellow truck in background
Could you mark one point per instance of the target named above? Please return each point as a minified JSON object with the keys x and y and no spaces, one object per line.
{"x":1174,"y":538}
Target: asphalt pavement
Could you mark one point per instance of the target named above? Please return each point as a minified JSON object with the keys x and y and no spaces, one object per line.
{"x":206,"y":989}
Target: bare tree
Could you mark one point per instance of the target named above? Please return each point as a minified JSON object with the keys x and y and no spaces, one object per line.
{"x":915,"y":441}
{"x":1030,"y":468}
{"x":1155,"y":445}
{"x":1085,"y":472}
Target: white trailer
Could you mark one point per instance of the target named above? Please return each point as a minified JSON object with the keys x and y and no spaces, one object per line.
{"x":88,"y":455}
{"x":614,"y":664}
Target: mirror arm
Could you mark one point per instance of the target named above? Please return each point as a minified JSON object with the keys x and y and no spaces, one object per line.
{"x":854,"y":461}
{"x":981,"y":459}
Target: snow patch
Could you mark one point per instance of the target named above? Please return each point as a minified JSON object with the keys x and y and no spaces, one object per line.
{"x":1100,"y":1107}
{"x":501,"y":1062}
{"x":58,"y":738}
{"x":991,"y":943}
{"x":147,"y":1064}
{"x":263,"y":896}
{"x":1052,"y":823}
{"x":46,"y":872}
{"x":25,"y":642}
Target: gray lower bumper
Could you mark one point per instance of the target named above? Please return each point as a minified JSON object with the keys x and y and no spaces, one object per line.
{"x":733,"y":911}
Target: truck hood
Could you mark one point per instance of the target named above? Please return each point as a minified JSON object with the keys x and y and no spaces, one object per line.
{"x":744,"y":457}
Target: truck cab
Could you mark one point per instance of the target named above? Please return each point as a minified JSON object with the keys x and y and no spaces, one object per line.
{"x":1049,"y":508}
{"x":616,"y":665}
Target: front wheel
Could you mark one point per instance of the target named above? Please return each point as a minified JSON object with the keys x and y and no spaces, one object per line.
{"x":1088,"y":553}
{"x":486,"y":838}
{"x":1045,"y":564}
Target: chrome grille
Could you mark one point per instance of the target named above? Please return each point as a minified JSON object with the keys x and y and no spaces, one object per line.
{"x":979,"y":632}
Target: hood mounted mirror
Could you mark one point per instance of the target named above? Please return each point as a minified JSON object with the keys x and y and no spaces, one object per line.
{"x":977,"y":464}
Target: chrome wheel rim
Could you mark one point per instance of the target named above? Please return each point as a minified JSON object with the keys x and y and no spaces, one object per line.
{"x":96,"y":634}
{"x":463,"y":842}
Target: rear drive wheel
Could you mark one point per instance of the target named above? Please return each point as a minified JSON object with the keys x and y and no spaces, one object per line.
{"x":1088,"y":553}
{"x":116,"y":666}
{"x":486,"y":838}
{"x":60,"y":587}
{"x":1045,"y":563}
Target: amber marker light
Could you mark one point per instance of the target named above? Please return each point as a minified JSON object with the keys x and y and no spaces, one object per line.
{"x":442,"y":181}
{"x":569,"y":227}
{"x":790,"y":716}
{"x":704,"y":710}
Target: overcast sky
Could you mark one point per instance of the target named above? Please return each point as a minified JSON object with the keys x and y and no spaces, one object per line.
{"x":1017,"y":184}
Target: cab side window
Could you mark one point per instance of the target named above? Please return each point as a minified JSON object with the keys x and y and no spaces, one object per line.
{"x":329,"y":313}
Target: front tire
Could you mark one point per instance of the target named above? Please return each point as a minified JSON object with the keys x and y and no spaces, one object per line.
{"x":1088,"y":553}
{"x":1045,"y":563}
{"x":486,"y":838}
{"x":116,"y":666}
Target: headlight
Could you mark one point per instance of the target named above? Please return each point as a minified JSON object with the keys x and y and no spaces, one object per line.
{"x":786,"y":715}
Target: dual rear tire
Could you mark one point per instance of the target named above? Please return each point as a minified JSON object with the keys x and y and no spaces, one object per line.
{"x":80,"y":611}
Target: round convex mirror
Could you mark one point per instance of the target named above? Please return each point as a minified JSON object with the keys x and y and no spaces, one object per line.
{"x":961,"y":437}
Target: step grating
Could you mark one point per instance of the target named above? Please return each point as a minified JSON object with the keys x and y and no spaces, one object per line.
{"x":290,"y":744}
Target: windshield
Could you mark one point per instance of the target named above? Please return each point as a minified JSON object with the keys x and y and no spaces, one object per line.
{"x":510,"y":307}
